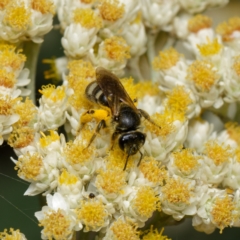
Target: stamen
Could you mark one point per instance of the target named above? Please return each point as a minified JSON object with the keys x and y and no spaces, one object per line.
{"x":87,"y":18}
{"x":29,"y":166}
{"x":199,"y":22}
{"x":203,"y":74}
{"x":210,"y":48}
{"x":111,"y":10}
{"x":117,"y":48}
{"x":166,"y":59}
{"x":56,"y":225}
{"x":43,"y":6}
{"x":217,"y":152}
{"x":92,"y":213}
{"x":146,"y":202}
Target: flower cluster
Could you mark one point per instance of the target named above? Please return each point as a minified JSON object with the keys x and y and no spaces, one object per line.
{"x":185,"y":168}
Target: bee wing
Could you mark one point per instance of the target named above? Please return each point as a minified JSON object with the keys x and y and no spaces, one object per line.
{"x":113,"y":90}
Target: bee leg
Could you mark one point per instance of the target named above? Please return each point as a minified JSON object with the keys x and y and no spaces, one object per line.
{"x":147,"y":117}
{"x":114,"y":136}
{"x":140,"y":159}
{"x":125,"y":166}
{"x":101,"y":124}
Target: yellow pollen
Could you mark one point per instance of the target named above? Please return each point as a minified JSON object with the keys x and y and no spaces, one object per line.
{"x":179,"y":99}
{"x":177,"y":191}
{"x":21,"y":137}
{"x":165,"y":121}
{"x":124,"y":231}
{"x":87,"y":1}
{"x":10,"y":57}
{"x":56,"y":225}
{"x":17,"y":16}
{"x":146,"y":202}
{"x":43,"y":6}
{"x":98,"y":114}
{"x":218,"y":153}
{"x":52,"y":73}
{"x":93,"y":214}
{"x":210,"y":48}
{"x":7,"y":79}
{"x":186,"y":161}
{"x":111,"y":10}
{"x":203,"y":74}
{"x":147,"y":88}
{"x":233,"y":130}
{"x":12,"y":235}
{"x":117,"y":48}
{"x":130,"y":87}
{"x":111,"y":180}
{"x":226,"y":29}
{"x":76,"y":152}
{"x":166,"y":59}
{"x":47,"y":140}
{"x":4,"y":3}
{"x":81,"y":69}
{"x":199,"y":22}
{"x":6,"y":105}
{"x":223,"y":212}
{"x":153,"y":234}
{"x":29,"y":166}
{"x":117,"y":158}
{"x":27,"y":112}
{"x":87,"y":18}
{"x":236,"y":65}
{"x":51,"y":92}
{"x":67,"y":178}
{"x":152,"y":171}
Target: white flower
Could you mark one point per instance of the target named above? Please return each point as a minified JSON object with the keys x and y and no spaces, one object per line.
{"x":56,"y":215}
{"x":158,"y":14}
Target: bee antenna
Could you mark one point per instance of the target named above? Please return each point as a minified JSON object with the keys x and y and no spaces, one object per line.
{"x":129,"y":153}
{"x":140,"y":159}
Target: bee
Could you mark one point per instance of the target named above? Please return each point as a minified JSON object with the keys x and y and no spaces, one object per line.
{"x":109,"y":92}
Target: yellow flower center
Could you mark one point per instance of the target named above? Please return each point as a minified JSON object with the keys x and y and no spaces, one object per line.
{"x":12,"y":235}
{"x":124,"y":231}
{"x":177,"y":191}
{"x":29,"y":165}
{"x":7,"y":79}
{"x":178,"y":100}
{"x":9,"y":57}
{"x":51,"y":92}
{"x":67,"y":178}
{"x":186,"y":161}
{"x":218,"y":153}
{"x":27,"y":112}
{"x":117,"y":48}
{"x":147,"y":88}
{"x":233,"y":129}
{"x":17,"y":16}
{"x":43,"y":6}
{"x":87,"y":18}
{"x":6,"y":105}
{"x":92,"y":213}
{"x":111,"y":10}
{"x":76,"y":152}
{"x":227,"y":28}
{"x":56,"y":225}
{"x":111,"y":180}
{"x":47,"y":140}
{"x":152,"y":172}
{"x":153,"y":234}
{"x":210,"y":48}
{"x":223,"y":212}
{"x":166,"y":59}
{"x":199,"y":22}
{"x":146,"y":202}
{"x":21,"y":137}
{"x":203,"y":74}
